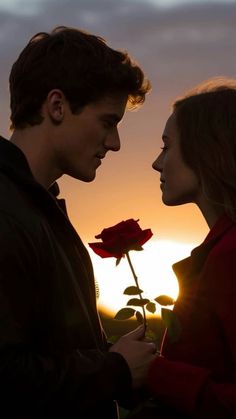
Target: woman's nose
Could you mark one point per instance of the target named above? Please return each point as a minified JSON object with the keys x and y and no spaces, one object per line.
{"x":156,"y":164}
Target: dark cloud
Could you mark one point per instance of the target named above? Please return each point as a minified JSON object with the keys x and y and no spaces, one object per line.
{"x":178,"y":34}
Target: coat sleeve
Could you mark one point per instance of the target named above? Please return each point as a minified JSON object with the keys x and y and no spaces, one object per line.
{"x":191,"y":389}
{"x":31,"y":380}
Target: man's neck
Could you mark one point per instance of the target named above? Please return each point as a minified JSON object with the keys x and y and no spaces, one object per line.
{"x":35,"y":145}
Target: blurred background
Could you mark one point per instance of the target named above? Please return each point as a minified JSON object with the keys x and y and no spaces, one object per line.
{"x":177,"y":44}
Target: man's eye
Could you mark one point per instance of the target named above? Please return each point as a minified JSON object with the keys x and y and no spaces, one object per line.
{"x":108,"y":124}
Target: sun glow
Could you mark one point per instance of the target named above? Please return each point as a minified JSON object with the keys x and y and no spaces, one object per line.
{"x":153,"y":267}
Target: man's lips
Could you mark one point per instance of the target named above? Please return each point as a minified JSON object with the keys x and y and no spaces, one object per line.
{"x":100,"y":156}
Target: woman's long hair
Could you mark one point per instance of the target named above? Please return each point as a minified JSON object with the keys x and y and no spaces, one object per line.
{"x":206,"y":121}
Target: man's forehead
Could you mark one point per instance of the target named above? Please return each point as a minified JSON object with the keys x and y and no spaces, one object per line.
{"x":113,"y":107}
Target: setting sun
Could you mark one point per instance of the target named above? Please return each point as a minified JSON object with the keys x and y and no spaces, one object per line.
{"x":152,"y":267}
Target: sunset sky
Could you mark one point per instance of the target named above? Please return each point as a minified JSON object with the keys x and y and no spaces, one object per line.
{"x":178,"y":44}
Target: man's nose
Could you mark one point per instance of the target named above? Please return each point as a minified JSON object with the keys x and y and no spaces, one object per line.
{"x":113,"y":140}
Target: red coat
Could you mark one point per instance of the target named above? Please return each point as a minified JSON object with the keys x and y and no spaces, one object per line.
{"x":196,"y":375}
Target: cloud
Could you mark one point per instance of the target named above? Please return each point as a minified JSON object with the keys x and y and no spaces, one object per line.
{"x":176,"y":46}
{"x":127,"y":22}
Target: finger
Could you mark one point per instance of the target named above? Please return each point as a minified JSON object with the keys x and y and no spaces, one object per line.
{"x":138,"y":333}
{"x":153,"y":347}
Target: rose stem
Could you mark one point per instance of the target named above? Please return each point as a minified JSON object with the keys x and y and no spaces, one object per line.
{"x":139,"y":293}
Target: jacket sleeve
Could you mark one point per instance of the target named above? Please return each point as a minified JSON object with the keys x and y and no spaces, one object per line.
{"x":30,"y":379}
{"x":194,"y":390}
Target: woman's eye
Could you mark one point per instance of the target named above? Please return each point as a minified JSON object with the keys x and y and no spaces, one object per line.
{"x":164,"y":148}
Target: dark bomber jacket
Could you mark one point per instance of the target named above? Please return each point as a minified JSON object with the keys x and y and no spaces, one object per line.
{"x":54,"y":359}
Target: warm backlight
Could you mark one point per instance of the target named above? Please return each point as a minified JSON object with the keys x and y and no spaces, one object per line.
{"x":152,"y":266}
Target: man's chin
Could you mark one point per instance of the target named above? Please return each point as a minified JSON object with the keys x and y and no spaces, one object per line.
{"x":87,"y":178}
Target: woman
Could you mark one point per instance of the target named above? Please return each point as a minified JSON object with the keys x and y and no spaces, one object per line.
{"x":195,"y":376}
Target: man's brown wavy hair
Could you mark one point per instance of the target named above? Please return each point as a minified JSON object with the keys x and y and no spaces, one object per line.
{"x":206,"y":123}
{"x":78,"y":63}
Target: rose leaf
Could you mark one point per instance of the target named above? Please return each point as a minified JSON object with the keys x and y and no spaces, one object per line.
{"x":151,"y":307}
{"x":124,"y":313}
{"x":132,"y":290}
{"x":172,"y":324}
{"x":138,"y":302}
{"x":164,"y":300}
{"x":139,"y":317}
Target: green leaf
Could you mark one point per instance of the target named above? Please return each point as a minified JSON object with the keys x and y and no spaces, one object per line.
{"x":136,"y":247}
{"x":172,"y":324}
{"x":137,"y":302}
{"x":151,"y":307}
{"x":164,"y":300}
{"x":118,"y":261}
{"x":124,"y":313}
{"x":132,"y":290}
{"x":139,"y":317}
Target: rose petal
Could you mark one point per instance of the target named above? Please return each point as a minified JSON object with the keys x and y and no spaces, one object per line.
{"x":120,"y":238}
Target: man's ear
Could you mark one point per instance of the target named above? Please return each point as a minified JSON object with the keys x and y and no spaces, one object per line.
{"x":56,"y":105}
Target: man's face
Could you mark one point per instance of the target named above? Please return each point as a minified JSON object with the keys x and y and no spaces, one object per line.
{"x":85,"y":138}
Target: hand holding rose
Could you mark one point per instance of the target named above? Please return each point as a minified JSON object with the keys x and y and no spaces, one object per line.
{"x":138,"y":354}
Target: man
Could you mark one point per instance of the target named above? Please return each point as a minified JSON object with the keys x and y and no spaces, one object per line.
{"x":68,"y":92}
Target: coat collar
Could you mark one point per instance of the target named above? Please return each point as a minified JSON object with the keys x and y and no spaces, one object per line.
{"x":192,"y":265}
{"x":15,"y":165}
{"x":13,"y":161}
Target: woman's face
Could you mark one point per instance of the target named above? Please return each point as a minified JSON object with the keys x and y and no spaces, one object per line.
{"x":179,"y":183}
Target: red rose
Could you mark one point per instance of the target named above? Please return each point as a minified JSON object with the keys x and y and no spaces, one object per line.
{"x":120,"y":238}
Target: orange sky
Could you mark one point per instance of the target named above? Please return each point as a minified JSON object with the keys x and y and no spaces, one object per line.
{"x":177,"y":48}
{"x":126,"y":186}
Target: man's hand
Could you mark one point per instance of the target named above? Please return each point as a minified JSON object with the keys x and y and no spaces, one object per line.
{"x":137,"y":352}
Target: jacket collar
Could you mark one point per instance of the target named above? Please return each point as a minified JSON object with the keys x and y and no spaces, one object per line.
{"x":192,"y":265}
{"x":15,"y":165}
{"x":13,"y":161}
